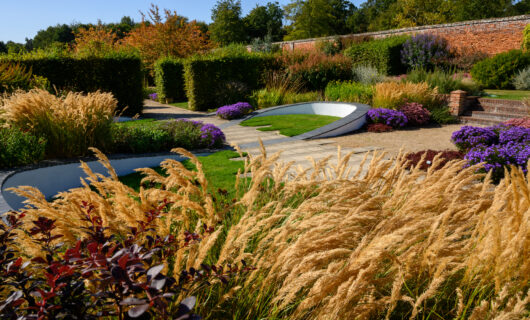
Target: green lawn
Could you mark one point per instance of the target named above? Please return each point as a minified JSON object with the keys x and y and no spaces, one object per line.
{"x":139,"y":122}
{"x":183,"y":105}
{"x":508,"y":94}
{"x":220,"y":172}
{"x":291,"y":124}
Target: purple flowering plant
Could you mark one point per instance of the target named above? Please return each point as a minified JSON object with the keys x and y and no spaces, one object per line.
{"x":423,"y":50}
{"x":468,"y":137}
{"x":389,"y":117}
{"x":192,"y":134}
{"x":234,"y":111}
{"x":153,"y":96}
{"x":498,"y":146}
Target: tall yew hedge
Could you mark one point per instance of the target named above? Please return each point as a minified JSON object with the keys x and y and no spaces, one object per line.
{"x":120,"y":74}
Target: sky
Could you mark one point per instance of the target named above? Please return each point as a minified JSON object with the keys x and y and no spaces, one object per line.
{"x":20,"y":19}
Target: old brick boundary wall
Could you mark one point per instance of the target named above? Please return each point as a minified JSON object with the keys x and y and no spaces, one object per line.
{"x":490,"y":36}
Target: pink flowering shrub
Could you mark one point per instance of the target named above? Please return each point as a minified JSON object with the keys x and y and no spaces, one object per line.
{"x":416,"y":114}
{"x":519,"y":122}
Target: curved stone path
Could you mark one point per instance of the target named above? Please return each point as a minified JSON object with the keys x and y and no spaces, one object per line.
{"x":247,"y":137}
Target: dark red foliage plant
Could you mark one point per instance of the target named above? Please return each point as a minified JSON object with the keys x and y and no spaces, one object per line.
{"x":101,"y":276}
{"x":379,"y":127}
{"x":425,"y":158}
{"x":416,"y":114}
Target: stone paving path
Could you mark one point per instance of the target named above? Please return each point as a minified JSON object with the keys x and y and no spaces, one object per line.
{"x":247,"y":138}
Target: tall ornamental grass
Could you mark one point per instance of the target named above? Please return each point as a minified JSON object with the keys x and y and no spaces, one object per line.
{"x":71,"y":123}
{"x":392,"y":95}
{"x":382,"y":242}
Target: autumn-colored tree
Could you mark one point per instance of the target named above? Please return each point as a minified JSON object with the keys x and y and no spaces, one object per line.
{"x":94,"y":41}
{"x":168,"y":35}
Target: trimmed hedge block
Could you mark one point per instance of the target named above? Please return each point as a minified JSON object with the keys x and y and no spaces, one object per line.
{"x":169,"y":79}
{"x":119,"y":74}
{"x":383,"y":54}
{"x":212,"y":82}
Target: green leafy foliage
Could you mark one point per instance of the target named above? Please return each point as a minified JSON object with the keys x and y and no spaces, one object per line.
{"x":169,"y":79}
{"x":442,"y":115}
{"x":118,"y":73}
{"x":383,"y":54}
{"x":526,"y":38}
{"x":143,"y":136}
{"x":498,"y":71}
{"x":265,"y":98}
{"x":227,"y":26}
{"x":19,"y":148}
{"x":214,"y":81}
{"x":349,"y":91}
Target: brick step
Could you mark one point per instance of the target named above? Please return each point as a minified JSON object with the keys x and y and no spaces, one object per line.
{"x":492,"y":115}
{"x":480,"y":121}
{"x":523,"y":111}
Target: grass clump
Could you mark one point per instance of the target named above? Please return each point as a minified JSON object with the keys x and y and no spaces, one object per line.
{"x":443,"y":81}
{"x":392,"y":95}
{"x":383,"y":241}
{"x":71,"y":123}
{"x":291,"y":124}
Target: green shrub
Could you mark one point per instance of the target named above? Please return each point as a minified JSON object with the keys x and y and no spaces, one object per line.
{"x":161,"y":136}
{"x":265,"y":98}
{"x":315,"y":70}
{"x":349,"y":91}
{"x":383,"y":54}
{"x":498,"y":71}
{"x":139,"y":139}
{"x":214,"y":81}
{"x":442,"y":115}
{"x":366,"y":74}
{"x":120,"y":74}
{"x":169,"y":79}
{"x":443,"y":80}
{"x":526,"y":38}
{"x":19,"y":148}
{"x":521,"y":81}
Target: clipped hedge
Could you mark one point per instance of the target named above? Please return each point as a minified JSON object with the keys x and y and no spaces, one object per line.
{"x":169,"y":79}
{"x":215,"y":81}
{"x":499,"y":71}
{"x":383,"y":54}
{"x":119,"y":74}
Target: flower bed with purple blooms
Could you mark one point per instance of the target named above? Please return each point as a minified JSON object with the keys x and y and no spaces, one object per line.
{"x":153,"y":96}
{"x":497,"y":147}
{"x":389,"y":117}
{"x":234,"y":111}
{"x":165,"y":135}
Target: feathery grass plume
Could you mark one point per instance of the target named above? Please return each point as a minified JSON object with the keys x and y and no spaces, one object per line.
{"x":389,"y":242}
{"x":71,"y":123}
{"x":384,"y":242}
{"x":392,"y":95}
{"x":182,"y":193}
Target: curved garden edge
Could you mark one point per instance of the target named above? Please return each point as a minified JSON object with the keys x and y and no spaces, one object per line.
{"x":52,"y":177}
{"x":348,"y":123}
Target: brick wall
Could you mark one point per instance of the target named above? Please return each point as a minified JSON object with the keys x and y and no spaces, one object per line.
{"x":490,"y":36}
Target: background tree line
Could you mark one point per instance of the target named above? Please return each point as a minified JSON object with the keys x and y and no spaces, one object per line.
{"x":298,"y":20}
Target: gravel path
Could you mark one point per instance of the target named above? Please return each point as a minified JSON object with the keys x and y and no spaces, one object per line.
{"x":410,"y":139}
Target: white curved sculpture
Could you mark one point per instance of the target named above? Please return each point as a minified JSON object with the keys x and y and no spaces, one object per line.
{"x":54,"y":179}
{"x":353,"y":116}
